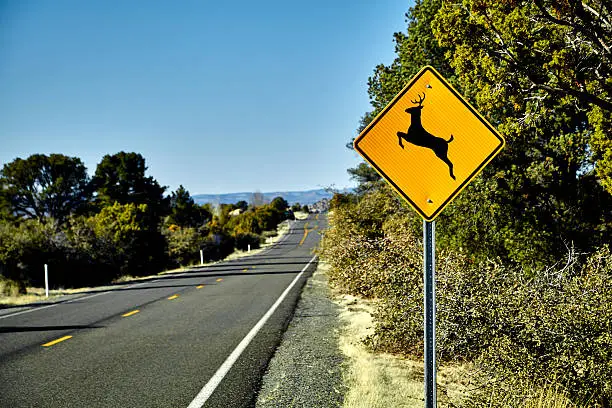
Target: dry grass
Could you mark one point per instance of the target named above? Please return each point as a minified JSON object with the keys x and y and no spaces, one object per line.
{"x":530,"y":395}
{"x":550,"y":397}
{"x":36,"y":295}
{"x":374,"y":380}
{"x":380,"y":380}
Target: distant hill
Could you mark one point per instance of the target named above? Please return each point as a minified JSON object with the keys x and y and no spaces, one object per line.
{"x":303,"y":197}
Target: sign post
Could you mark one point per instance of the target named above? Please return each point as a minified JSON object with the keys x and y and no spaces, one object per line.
{"x":429,"y":143}
{"x":429,"y":278}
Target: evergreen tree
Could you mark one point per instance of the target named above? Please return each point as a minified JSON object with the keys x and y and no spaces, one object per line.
{"x":184,"y":212}
{"x":44,"y":186}
{"x":121,"y":178}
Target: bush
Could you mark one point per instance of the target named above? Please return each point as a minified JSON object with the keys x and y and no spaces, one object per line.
{"x":217,"y":246}
{"x":252,"y":226}
{"x":243,"y":240}
{"x":183,"y":245}
{"x":11,"y":287}
{"x":131,"y":235}
{"x":551,"y":326}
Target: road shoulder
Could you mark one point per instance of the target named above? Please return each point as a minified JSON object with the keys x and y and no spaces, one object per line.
{"x":306,"y":370}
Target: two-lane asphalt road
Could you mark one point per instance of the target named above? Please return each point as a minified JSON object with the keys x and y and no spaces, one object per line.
{"x":200,"y":338}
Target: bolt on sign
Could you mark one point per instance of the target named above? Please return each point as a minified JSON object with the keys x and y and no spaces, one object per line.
{"x":429,"y":143}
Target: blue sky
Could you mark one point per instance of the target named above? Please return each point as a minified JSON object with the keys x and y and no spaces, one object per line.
{"x":217,"y":96}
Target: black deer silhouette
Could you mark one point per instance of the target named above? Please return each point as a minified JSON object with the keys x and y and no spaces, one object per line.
{"x":418,"y":136}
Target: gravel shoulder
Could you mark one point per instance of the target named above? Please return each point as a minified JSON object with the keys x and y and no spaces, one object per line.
{"x":306,"y":370}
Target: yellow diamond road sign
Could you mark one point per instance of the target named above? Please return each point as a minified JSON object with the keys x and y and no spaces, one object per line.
{"x":429,"y":143}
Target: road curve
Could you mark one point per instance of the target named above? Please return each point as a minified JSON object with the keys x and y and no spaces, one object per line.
{"x":159,"y":343}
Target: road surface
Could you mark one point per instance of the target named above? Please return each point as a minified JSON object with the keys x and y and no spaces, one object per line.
{"x":191,"y":339}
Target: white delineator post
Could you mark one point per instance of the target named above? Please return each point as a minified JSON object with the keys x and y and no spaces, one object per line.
{"x":201,"y":257}
{"x":46,"y":281}
{"x":248,"y":247}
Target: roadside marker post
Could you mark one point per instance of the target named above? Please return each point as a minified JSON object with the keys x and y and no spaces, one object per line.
{"x":46,"y":281}
{"x":429,"y":143}
{"x":201,"y":257}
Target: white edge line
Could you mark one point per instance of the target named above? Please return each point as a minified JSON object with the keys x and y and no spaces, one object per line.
{"x":221,"y":372}
{"x":27,"y":311}
{"x":34,"y":308}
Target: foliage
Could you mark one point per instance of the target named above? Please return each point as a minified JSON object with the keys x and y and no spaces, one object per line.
{"x":539,"y":80}
{"x":542,"y":59}
{"x":184,"y":212}
{"x":26,"y":246}
{"x":243,"y":205}
{"x":184,"y":244}
{"x":44,"y":186}
{"x":521,"y":393}
{"x":279,"y":204}
{"x":127,"y":228}
{"x":535,"y":70}
{"x":244,"y":240}
{"x":121,"y":178}
{"x":366,"y":177}
{"x":132,"y":228}
{"x":257,"y":220}
{"x":354,"y":241}
{"x":11,"y":287}
{"x":553,"y":325}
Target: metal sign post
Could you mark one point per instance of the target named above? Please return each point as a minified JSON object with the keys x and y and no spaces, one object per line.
{"x":429,"y":273}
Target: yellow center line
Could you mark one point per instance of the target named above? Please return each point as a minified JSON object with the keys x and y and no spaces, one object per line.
{"x":54,"y":342}
{"x":219,"y":280}
{"x":199,"y":286}
{"x":305,"y":235}
{"x":173,"y":297}
{"x":128,"y":314}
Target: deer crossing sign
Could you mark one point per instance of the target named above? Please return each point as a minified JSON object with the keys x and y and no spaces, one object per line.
{"x":429,"y":143}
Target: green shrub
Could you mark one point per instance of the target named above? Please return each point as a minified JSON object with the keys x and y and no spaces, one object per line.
{"x":183,"y":245}
{"x":551,"y":325}
{"x":355,"y":244}
{"x":217,"y":246}
{"x":11,"y":287}
{"x":243,"y":240}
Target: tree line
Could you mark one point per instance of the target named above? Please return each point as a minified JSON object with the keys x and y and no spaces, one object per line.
{"x":91,"y":230}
